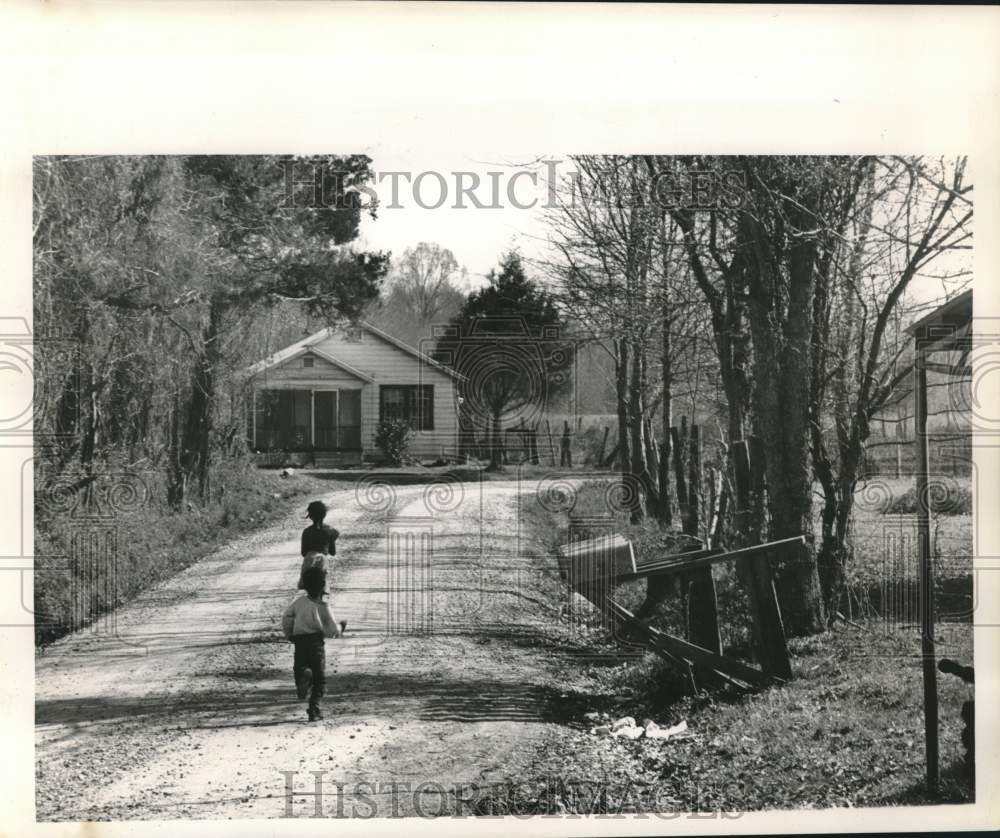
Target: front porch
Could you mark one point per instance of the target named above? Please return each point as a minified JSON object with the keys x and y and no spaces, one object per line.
{"x":306,"y":426}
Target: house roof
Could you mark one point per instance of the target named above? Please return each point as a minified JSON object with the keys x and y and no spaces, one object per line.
{"x":306,"y":350}
{"x":308,"y":344}
{"x":947,"y":327}
{"x":416,"y":353}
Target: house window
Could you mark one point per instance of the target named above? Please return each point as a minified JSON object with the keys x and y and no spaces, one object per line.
{"x":414,"y":403}
{"x":308,"y":361}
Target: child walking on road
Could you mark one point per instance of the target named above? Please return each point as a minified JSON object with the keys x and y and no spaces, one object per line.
{"x":319,"y":542}
{"x":307,"y":622}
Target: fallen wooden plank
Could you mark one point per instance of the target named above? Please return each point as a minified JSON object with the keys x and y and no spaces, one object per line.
{"x":702,"y":658}
{"x":607,"y":461}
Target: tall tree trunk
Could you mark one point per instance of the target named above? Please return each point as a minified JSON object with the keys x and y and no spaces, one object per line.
{"x":175,"y":472}
{"x":622,"y":400}
{"x":666,"y":406}
{"x":782,"y":357}
{"x":91,"y":426}
{"x":702,"y":603}
{"x":637,"y":436}
{"x":196,"y":442}
{"x":496,"y":452}
{"x":835,"y":551}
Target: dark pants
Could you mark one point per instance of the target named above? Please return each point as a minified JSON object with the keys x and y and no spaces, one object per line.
{"x":311,"y":654}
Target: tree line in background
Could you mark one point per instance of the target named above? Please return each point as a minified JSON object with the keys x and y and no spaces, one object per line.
{"x":798,"y":270}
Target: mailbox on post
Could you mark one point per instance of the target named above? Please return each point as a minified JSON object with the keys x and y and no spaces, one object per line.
{"x":594,"y":566}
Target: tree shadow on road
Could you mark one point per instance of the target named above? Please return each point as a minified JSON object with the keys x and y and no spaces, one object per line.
{"x":392,"y":698}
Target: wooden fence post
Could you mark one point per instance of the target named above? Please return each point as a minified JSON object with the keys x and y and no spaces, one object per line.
{"x":677,"y":447}
{"x":769,"y":633}
{"x":702,"y":602}
{"x":658,"y":588}
{"x":604,"y":442}
{"x":926,"y":578}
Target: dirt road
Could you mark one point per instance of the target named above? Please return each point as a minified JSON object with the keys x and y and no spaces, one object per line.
{"x":189,"y":711}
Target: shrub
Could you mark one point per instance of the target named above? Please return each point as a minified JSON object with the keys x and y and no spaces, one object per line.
{"x":946,"y":498}
{"x":392,"y":438}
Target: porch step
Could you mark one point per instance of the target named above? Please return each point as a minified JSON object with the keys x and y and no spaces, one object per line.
{"x":333,"y":459}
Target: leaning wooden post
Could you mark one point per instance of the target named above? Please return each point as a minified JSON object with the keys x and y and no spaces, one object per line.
{"x":678,"y":457}
{"x":702,"y":603}
{"x":604,"y":443}
{"x":769,"y":633}
{"x":926,"y":567}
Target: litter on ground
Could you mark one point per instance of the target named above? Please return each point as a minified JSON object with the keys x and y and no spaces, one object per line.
{"x":626,"y":728}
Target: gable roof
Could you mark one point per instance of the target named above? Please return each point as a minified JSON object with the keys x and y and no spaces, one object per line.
{"x":303,"y":347}
{"x":326,"y":356}
{"x":416,"y":353}
{"x":308,"y":344}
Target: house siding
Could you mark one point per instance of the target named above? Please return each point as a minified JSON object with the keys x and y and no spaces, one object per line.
{"x":388,"y":365}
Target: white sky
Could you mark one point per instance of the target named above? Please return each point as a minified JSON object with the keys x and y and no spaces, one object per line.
{"x":479,"y":235}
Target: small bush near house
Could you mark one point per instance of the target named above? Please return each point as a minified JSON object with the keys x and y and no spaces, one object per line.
{"x":392,"y":438}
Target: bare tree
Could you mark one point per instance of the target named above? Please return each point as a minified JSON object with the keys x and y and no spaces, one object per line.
{"x":912,"y":213}
{"x":425,"y":287}
{"x":617,"y":272}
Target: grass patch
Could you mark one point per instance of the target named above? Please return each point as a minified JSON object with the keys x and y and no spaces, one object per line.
{"x":882,"y":577}
{"x":846,"y":731}
{"x":150,"y":543}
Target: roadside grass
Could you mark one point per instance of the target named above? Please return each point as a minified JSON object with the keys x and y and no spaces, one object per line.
{"x":153,"y":542}
{"x":846,"y":731}
{"x":883,"y":576}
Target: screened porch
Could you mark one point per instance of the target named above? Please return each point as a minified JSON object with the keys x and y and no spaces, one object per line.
{"x":306,"y":420}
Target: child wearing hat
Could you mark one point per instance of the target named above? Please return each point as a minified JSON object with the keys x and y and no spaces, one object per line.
{"x":319,"y":542}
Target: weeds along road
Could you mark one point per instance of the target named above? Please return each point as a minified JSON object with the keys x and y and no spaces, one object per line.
{"x":189,"y":710}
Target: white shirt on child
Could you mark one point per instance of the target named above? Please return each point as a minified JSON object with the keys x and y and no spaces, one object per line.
{"x":308,"y":616}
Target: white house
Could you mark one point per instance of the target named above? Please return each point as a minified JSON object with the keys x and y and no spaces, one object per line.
{"x":321,"y":399}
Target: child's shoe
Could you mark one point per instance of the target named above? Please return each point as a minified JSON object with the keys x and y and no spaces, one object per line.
{"x":303,"y":683}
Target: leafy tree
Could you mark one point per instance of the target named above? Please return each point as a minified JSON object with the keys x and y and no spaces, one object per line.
{"x":506,"y":344}
{"x":264,"y":247}
{"x":157,"y":268}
